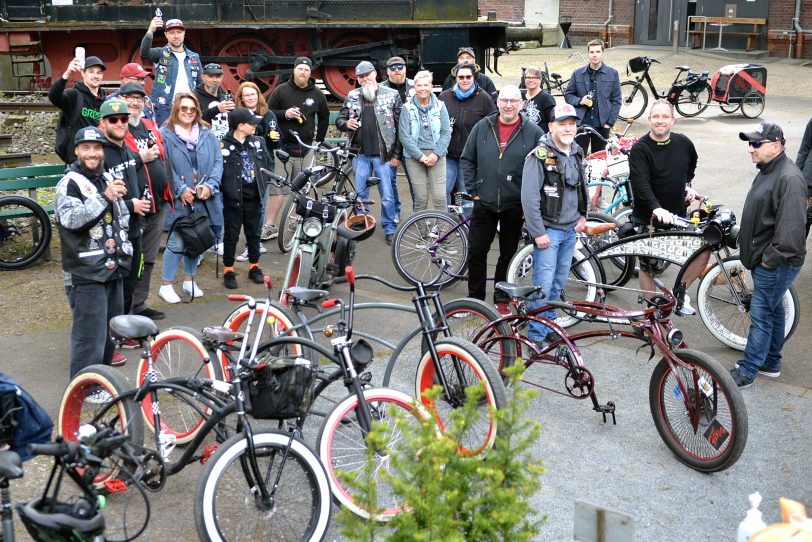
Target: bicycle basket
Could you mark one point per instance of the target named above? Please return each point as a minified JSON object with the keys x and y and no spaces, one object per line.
{"x":639,"y":64}
{"x":696,"y":81}
{"x":282,"y":389}
{"x":308,"y":207}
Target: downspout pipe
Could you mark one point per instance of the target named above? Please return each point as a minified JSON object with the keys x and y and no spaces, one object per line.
{"x":611,"y":18}
{"x":796,"y":23}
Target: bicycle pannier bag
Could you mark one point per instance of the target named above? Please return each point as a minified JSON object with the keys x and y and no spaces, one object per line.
{"x":22,"y":420}
{"x":196,"y":231}
{"x":638,"y":64}
{"x":307,"y":207}
{"x":282,"y":390}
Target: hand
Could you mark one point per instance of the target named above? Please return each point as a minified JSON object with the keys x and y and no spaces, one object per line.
{"x":585,"y":100}
{"x":115,"y":190}
{"x":273,"y":135}
{"x":140,"y":206}
{"x":662,"y":215}
{"x":293,"y":113}
{"x":691,"y":194}
{"x":155,"y":24}
{"x":353,"y":124}
{"x":432,"y":159}
{"x":75,"y":66}
{"x":542,"y":241}
{"x":226,"y":106}
{"x":188,"y":196}
{"x":204,"y":192}
{"x":394,"y":162}
{"x":149,"y":154}
{"x":581,"y":224}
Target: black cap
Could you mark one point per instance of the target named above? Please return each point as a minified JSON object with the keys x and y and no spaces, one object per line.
{"x":212,"y":69}
{"x":240,"y":115}
{"x":89,"y":134}
{"x":766,"y":131}
{"x":94,"y":61}
{"x":131,"y":88}
{"x":363,"y":68}
{"x":303,"y":60}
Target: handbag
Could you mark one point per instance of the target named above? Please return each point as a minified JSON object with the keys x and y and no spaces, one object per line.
{"x":196,"y":231}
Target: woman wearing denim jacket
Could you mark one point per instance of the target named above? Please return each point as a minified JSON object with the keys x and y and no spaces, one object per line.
{"x":197,"y":166}
{"x":425,"y":132}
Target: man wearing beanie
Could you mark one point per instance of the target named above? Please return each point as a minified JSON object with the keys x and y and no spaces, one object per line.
{"x":466,"y":56}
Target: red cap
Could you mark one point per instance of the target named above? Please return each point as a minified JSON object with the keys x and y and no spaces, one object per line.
{"x":133,"y":70}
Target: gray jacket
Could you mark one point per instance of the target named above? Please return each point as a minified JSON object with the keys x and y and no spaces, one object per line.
{"x":387,"y":112}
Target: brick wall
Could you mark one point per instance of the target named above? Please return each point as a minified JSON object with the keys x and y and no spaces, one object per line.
{"x":780,"y":20}
{"x":588,"y":15}
{"x":506,"y":10}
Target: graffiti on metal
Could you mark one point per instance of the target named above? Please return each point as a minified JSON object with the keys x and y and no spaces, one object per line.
{"x":675,"y":247}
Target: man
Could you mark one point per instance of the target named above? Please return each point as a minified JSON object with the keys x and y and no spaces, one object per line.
{"x":594,"y":92}
{"x":538,"y":104}
{"x":465,"y":55}
{"x":492,"y":163}
{"x":773,"y":248}
{"x":80,"y":105}
{"x":244,"y":155}
{"x":96,"y":253}
{"x":371,"y":114}
{"x":214,"y":102}
{"x":804,"y":162}
{"x":467,"y":104}
{"x":177,"y":69}
{"x":120,"y":163}
{"x":396,"y":79}
{"x":144,"y":139}
{"x":135,"y":73}
{"x":554,"y":199}
{"x":297,"y":104}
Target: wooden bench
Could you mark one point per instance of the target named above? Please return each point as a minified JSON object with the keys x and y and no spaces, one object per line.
{"x":30,"y":178}
{"x":697,"y":34}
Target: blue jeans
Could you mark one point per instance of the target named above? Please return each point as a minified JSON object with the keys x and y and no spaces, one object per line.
{"x":551,"y":266}
{"x":365,"y":165}
{"x":766,"y":336}
{"x":453,"y":177}
{"x":173,"y":255}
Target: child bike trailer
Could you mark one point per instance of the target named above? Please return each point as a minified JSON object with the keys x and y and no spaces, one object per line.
{"x":740,"y":86}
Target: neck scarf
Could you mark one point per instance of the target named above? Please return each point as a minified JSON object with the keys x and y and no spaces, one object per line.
{"x":188,"y":137}
{"x":464,"y":95}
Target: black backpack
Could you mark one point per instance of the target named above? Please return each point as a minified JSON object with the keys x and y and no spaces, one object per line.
{"x":66,"y":131}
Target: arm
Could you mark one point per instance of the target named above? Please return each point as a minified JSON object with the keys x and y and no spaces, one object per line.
{"x":343,"y":118}
{"x":789,"y":235}
{"x":693,"y":157}
{"x":216,"y":172}
{"x":148,"y":52}
{"x":804,"y":159}
{"x":468,"y":160}
{"x":323,"y":116}
{"x":532,"y":178}
{"x":56,"y":94}
{"x":445,"y":133}
{"x":397,"y":148}
{"x":210,"y":112}
{"x":410,"y":149}
{"x":571,"y":92}
{"x":73,"y":211}
{"x":615,"y":98}
{"x":640,"y":177}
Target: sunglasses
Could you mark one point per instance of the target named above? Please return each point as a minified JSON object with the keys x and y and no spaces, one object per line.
{"x":396,"y":67}
{"x":758,"y":144}
{"x":188,"y":109}
{"x":465,"y":77}
{"x":123,"y":119}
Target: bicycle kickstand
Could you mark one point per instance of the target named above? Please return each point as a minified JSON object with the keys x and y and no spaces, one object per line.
{"x":608,"y":408}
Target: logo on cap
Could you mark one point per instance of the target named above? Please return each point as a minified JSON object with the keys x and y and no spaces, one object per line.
{"x":564,"y":111}
{"x":91,"y":134}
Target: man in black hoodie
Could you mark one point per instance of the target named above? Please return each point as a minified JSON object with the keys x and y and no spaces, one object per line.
{"x":86,"y":94}
{"x":215,"y":103}
{"x":466,"y":56}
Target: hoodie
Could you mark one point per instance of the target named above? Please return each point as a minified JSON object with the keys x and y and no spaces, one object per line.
{"x":212,"y":115}
{"x":65,"y":99}
{"x":121,"y":162}
{"x":311,"y":102}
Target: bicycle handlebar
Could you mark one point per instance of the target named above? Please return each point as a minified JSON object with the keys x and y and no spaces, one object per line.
{"x":612,"y":141}
{"x":317,"y":147}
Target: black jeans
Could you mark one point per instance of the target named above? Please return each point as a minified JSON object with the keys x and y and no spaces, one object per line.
{"x":245,"y":216}
{"x":131,"y":280}
{"x":480,"y":238}
{"x":150,"y":244}
{"x":92,"y":306}
{"x":598,"y":144}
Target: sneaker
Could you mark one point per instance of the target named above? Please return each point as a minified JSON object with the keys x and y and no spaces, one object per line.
{"x":552,"y":337}
{"x":119,"y":359}
{"x":687,"y":309}
{"x":189,"y":286}
{"x":98,"y":396}
{"x":244,"y":256}
{"x":151,"y":313}
{"x":388,"y":238}
{"x":740,"y":380}
{"x":128,"y":344}
{"x":503,"y":309}
{"x":167,"y":293}
{"x":269,"y":231}
{"x":230,"y":280}
{"x":397,"y":218}
{"x":262,"y":249}
{"x":766,"y":371}
{"x":255,"y":275}
{"x":217,"y":248}
{"x":448,"y":251}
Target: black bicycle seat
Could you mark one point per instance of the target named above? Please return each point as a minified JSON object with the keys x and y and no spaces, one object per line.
{"x":555,"y":75}
{"x":682,"y":68}
{"x":306,"y":294}
{"x":132,"y":326}
{"x":11,"y":466}
{"x":519,"y":291}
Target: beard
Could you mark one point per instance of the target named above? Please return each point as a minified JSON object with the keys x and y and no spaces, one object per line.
{"x":369,"y":91}
{"x":88,"y":172}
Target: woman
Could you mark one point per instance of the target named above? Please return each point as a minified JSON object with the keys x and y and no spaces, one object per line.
{"x":249,"y":96}
{"x":538,"y":104}
{"x":197,"y":166}
{"x":425,"y":132}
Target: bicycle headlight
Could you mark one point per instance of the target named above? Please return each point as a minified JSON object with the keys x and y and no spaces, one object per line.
{"x":719,"y":227}
{"x":312,"y":227}
{"x":675,"y":337}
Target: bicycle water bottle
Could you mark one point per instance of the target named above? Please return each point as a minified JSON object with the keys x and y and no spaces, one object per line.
{"x":752,"y":523}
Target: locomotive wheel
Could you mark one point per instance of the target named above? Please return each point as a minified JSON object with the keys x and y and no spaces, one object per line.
{"x":235,"y":74}
{"x":340,"y":80}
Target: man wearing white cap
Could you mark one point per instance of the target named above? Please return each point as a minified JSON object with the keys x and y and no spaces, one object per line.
{"x":168,"y":60}
{"x":554,"y":200}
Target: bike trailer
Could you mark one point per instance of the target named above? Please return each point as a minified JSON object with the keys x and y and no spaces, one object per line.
{"x":735,"y":81}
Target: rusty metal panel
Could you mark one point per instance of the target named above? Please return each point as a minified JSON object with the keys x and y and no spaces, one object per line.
{"x":445,"y":10}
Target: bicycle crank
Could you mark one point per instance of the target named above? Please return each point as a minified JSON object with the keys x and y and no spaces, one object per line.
{"x":154,"y":471}
{"x":579,"y":382}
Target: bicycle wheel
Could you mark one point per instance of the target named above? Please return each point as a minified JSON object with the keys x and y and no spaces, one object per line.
{"x":279,"y":323}
{"x":326,"y":159}
{"x":724,"y":317}
{"x":80,"y":405}
{"x":635,"y":100}
{"x":752,"y":104}
{"x":343,"y":448}
{"x":617,"y":270}
{"x":729,"y":107}
{"x":718,"y":437}
{"x":474,"y":367}
{"x":288,"y":222}
{"x":228,"y":505}
{"x":691,"y":103}
{"x":25,"y":232}
{"x":429,"y":244}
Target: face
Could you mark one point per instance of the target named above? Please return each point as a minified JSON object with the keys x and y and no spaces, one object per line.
{"x":250,"y":97}
{"x":465,"y":79}
{"x":93,"y":76}
{"x":135,"y":104}
{"x":135,"y":79}
{"x":660,"y":121}
{"x":531,"y":81}
{"x":422,"y":87}
{"x":212,"y":81}
{"x":766,"y":151}
{"x":466,"y":58}
{"x":301,"y":75}
{"x":563,"y":132}
{"x":115,"y":127}
{"x":187,"y":112}
{"x":90,"y":155}
{"x":247,"y":128}
{"x":396,"y":73}
{"x":595,"y":55}
{"x":175,"y":37}
{"x":509,"y":104}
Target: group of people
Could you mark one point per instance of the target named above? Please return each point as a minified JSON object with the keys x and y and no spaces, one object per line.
{"x":517,"y":153}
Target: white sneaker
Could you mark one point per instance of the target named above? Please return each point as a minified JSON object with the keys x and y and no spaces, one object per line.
{"x":687,"y":309}
{"x":244,"y":256}
{"x":217,"y":248}
{"x":262,"y":249}
{"x":269,"y":231}
{"x":167,"y":293}
{"x":188,"y":285}
{"x":98,"y":396}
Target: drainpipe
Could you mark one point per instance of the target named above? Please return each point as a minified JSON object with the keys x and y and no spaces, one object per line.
{"x":611,"y":18}
{"x":796,"y":23}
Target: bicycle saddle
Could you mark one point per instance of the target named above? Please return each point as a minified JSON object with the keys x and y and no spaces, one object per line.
{"x":11,"y":466}
{"x":221,"y":334}
{"x":597,"y":228}
{"x":682,"y":68}
{"x":555,"y":75}
{"x":306,"y":294}
{"x":131,"y":326}
{"x":519,"y":291}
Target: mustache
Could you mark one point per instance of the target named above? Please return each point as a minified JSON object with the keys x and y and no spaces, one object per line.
{"x":369,"y":92}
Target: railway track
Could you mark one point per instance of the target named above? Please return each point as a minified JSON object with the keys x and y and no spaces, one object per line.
{"x":23,"y":107}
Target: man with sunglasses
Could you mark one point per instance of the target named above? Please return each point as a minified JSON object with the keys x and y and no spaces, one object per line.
{"x":772,"y":246}
{"x":135,"y":73}
{"x":396,"y":79}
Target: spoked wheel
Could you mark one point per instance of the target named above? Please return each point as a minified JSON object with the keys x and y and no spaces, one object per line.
{"x":691,"y":103}
{"x":288,"y":222}
{"x":634,"y":100}
{"x":429,"y":244}
{"x":25,"y":232}
{"x":617,"y":270}
{"x":730,"y":107}
{"x":340,"y":80}
{"x":752,"y":104}
{"x":243,"y":45}
{"x":707,"y":428}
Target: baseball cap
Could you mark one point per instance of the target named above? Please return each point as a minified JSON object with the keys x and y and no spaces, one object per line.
{"x":131,"y":88}
{"x":765,"y":131}
{"x":240,"y":115}
{"x":303,"y":60}
{"x":395,"y":60}
{"x":112,"y":107}
{"x":94,"y":61}
{"x":212,"y":68}
{"x":88,"y":134}
{"x":174,"y":23}
{"x":564,"y":111}
{"x":132,"y":70}
{"x":469,"y":50}
{"x":363,"y":68}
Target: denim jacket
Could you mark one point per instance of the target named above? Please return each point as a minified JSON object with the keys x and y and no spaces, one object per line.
{"x":166,"y":72}
{"x":608,"y":93}
{"x":409,"y":127}
{"x":387,"y":112}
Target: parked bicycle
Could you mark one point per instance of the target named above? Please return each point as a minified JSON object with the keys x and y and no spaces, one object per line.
{"x":553,"y":83}
{"x":25,"y":232}
{"x":690,"y":96}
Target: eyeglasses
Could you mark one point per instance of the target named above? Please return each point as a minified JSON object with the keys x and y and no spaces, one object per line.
{"x":526,"y":77}
{"x":465,"y":77}
{"x":188,"y":109}
{"x":758,"y":144}
{"x":134,"y":98}
{"x":508,"y":101}
{"x":137,"y":79}
{"x":122,"y":119}
{"x":396,"y":67}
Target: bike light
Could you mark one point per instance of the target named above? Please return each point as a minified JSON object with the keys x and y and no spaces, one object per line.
{"x":675,"y":337}
{"x":312,"y":227}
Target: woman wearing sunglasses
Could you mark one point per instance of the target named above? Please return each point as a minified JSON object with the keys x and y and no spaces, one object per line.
{"x":197,"y":165}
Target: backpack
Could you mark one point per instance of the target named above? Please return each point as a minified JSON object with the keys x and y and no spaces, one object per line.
{"x":22,"y":420}
{"x":66,"y":131}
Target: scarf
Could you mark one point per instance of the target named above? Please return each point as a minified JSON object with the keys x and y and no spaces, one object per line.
{"x":464,"y":95}
{"x":188,"y":137}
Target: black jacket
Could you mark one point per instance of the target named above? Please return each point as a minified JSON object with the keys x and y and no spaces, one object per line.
{"x":231,"y":183}
{"x":209,"y":111}
{"x":482,"y":81}
{"x":311,"y":102}
{"x":121,"y":162}
{"x":65,"y":99}
{"x":773,"y":223}
{"x":497,"y":178}
{"x":804,"y":159}
{"x":464,"y":115}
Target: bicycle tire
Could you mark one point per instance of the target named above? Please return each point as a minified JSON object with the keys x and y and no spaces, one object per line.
{"x":415,"y":253}
{"x":466,"y":317}
{"x":617,"y":270}
{"x":342,"y":448}
{"x":287,"y":226}
{"x":326,"y":159}
{"x":634,"y":100}
{"x":476,"y":368}
{"x":720,"y":313}
{"x":225,"y":504}
{"x":723,"y":414}
{"x":25,"y":232}
{"x":729,"y":107}
{"x":122,"y":414}
{"x":752,"y":104}
{"x":687,"y":100}
{"x":581,"y":283}
{"x":177,"y":351}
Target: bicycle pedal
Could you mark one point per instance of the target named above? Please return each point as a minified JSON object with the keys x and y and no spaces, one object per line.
{"x":115,"y":486}
{"x":208,"y":451}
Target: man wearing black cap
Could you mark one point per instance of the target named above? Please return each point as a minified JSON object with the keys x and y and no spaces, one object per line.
{"x":80,"y":105}
{"x":244,"y":155}
{"x":214,"y":101}
{"x":96,"y":252}
{"x":466,"y":56}
{"x":177,"y":69}
{"x":772,"y":246}
{"x":135,"y":73}
{"x":396,"y":79}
